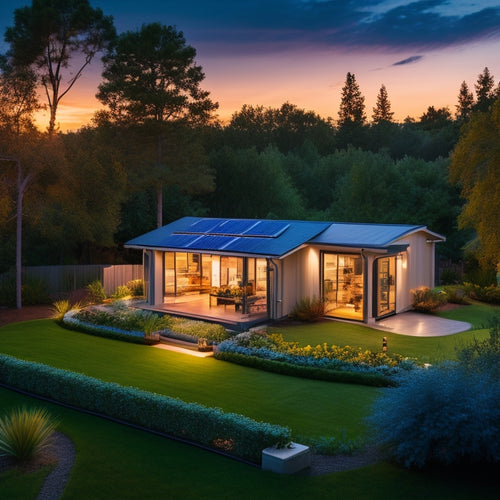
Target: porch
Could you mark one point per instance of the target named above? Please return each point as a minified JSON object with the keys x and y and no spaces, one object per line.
{"x":199,"y":306}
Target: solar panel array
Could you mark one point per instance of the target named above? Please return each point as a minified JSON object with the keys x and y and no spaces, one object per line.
{"x":239,"y":227}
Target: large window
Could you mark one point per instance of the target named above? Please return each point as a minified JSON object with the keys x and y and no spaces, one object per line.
{"x":343,"y":285}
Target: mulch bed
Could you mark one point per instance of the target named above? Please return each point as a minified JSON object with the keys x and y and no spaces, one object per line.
{"x":26,"y":313}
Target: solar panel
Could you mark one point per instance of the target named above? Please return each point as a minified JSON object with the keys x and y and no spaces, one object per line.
{"x":236,"y":227}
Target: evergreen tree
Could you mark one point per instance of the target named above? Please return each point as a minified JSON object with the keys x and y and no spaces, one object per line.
{"x":382,"y":110}
{"x":465,"y":102}
{"x":352,"y":104}
{"x":484,"y":90}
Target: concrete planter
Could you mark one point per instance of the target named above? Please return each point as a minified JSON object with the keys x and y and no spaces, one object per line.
{"x":288,"y":460}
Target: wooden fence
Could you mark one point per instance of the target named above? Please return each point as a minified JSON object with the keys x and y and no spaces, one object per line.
{"x":65,"y":279}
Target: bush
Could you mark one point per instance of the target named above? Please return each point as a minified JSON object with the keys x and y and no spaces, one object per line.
{"x":96,"y":292}
{"x":121,"y":292}
{"x":136,"y":287}
{"x":61,"y":307}
{"x":308,"y":309}
{"x":25,"y":433}
{"x":426,"y":300}
{"x":33,"y":292}
{"x":455,"y":294}
{"x":191,"y":330}
{"x":444,"y":415}
{"x":306,"y":371}
{"x":450,"y":277}
{"x":331,"y":445}
{"x":489,"y":294}
{"x":229,"y":432}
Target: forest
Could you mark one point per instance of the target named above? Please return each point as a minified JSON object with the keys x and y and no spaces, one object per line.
{"x":156,"y":150}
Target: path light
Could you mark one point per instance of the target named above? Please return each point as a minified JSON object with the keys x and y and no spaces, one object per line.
{"x":384,"y":344}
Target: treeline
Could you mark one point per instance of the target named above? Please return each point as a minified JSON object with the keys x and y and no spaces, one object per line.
{"x":155,"y":151}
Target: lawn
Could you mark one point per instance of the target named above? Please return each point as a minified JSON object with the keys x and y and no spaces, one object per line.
{"x":425,"y":349}
{"x":115,"y":461}
{"x":263,"y":396}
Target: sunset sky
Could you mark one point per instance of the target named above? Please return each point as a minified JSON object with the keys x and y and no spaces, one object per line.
{"x":266,"y":52}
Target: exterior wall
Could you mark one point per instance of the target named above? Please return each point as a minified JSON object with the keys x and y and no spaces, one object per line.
{"x":156,"y":286}
{"x":300,"y":277}
{"x":419,"y":270}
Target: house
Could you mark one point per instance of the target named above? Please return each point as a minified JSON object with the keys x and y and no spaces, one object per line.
{"x":241,"y":271}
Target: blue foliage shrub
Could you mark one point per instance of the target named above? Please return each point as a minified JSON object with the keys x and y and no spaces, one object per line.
{"x":443,"y":415}
{"x":229,"y":432}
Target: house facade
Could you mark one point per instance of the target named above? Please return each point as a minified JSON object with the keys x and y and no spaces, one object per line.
{"x":250,"y":270}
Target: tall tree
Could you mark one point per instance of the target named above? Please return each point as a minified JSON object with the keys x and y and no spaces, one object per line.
{"x":485,"y":94}
{"x":465,"y":102}
{"x":57,"y":39}
{"x":151,"y":81}
{"x":382,"y":111}
{"x":475,"y":166}
{"x":352,"y":104}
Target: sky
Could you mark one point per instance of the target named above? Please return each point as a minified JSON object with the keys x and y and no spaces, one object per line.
{"x":267,"y":52}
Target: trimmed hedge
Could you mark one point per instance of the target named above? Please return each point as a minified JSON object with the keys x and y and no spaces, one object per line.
{"x":228,"y":432}
{"x":284,"y":368}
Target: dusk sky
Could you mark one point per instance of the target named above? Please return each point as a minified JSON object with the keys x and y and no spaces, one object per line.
{"x":267,"y":52}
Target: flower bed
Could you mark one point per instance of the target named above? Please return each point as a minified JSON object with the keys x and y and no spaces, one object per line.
{"x":273,"y":347}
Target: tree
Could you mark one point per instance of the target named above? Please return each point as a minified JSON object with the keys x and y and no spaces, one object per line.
{"x":18,"y":99}
{"x":435,"y":118}
{"x":465,"y":103}
{"x":475,"y":166}
{"x":382,"y":111}
{"x":52,"y":36}
{"x":152,"y":86}
{"x":484,"y":90}
{"x":352,"y":104}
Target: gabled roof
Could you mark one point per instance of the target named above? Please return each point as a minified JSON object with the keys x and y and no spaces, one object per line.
{"x":260,"y":237}
{"x":269,"y":238}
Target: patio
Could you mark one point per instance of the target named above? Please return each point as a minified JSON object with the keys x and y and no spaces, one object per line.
{"x":421,"y":325}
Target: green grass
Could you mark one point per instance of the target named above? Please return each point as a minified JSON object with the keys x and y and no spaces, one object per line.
{"x":114,"y":461}
{"x":263,"y":396}
{"x":425,"y":349}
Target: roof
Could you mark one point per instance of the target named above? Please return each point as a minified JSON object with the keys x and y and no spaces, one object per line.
{"x":269,"y":238}
{"x":368,"y":235}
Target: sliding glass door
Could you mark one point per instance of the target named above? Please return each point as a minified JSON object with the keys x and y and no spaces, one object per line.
{"x":385,"y":272}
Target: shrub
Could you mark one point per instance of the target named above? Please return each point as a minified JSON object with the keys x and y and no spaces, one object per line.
{"x":450,"y":277}
{"x":312,"y":371}
{"x":33,"y":292}
{"x":455,"y":294}
{"x":308,"y":309}
{"x":25,"y":433}
{"x":121,"y":292}
{"x":444,"y":415}
{"x":229,"y":432}
{"x":136,"y":287}
{"x":96,"y":292}
{"x":191,"y":329}
{"x":427,"y":300}
{"x":331,"y":445}
{"x":490,"y":294}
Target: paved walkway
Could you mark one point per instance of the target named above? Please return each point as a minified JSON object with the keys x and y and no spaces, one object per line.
{"x":421,"y":325}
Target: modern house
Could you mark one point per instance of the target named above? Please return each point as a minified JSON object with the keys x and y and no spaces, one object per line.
{"x":242,"y":271}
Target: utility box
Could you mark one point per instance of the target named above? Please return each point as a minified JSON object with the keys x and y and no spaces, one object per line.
{"x":287,"y":460}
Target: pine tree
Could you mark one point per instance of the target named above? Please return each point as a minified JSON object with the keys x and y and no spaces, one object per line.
{"x":352,"y":104}
{"x":465,"y":102}
{"x":382,"y":110}
{"x":484,"y":90}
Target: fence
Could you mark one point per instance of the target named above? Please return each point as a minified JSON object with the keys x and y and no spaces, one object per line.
{"x":65,"y":279}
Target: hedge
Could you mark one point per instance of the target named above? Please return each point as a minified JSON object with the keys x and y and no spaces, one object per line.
{"x":284,"y":368}
{"x":227,"y":432}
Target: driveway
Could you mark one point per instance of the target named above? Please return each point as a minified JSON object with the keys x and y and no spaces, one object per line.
{"x":421,"y":325}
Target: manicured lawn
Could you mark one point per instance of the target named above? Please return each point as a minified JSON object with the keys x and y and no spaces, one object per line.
{"x":277,"y":399}
{"x":425,"y":349}
{"x":114,"y":461}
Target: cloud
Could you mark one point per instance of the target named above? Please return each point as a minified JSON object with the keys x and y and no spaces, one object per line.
{"x":408,"y":60}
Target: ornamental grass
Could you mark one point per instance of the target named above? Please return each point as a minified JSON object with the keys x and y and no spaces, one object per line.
{"x":25,"y":433}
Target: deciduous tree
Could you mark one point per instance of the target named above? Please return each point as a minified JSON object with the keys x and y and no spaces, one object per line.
{"x":475,"y":167}
{"x":57,"y":40}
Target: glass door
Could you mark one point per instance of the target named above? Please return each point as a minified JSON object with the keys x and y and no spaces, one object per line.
{"x":386,"y":286}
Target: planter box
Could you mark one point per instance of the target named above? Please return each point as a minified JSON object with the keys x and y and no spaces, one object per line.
{"x":286,"y":460}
